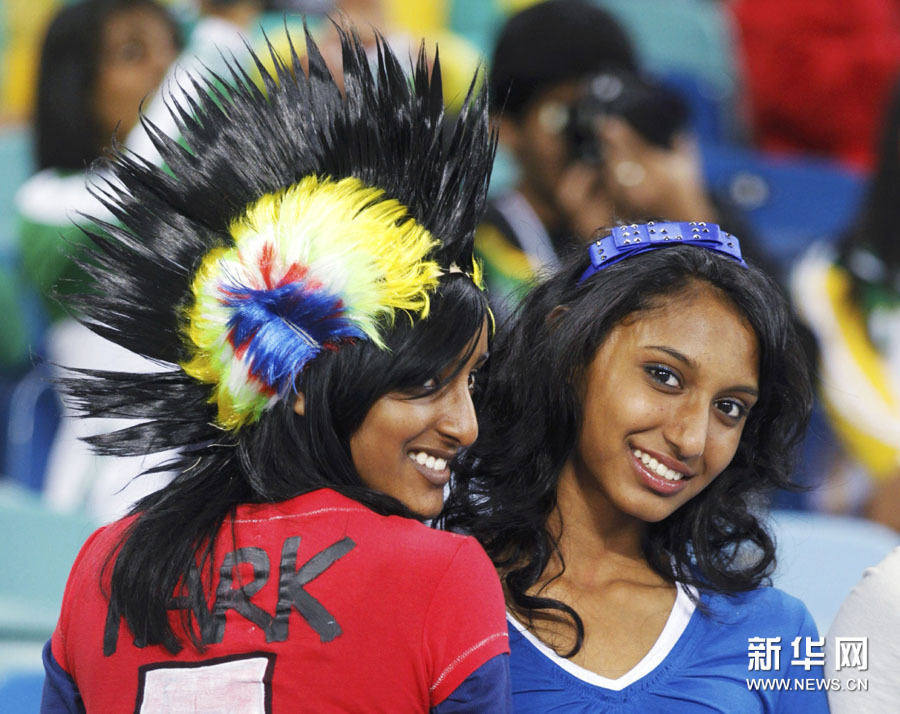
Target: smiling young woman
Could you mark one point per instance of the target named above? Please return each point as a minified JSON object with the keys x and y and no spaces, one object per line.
{"x":642,"y":402}
{"x":305,"y":279}
{"x":664,"y":405}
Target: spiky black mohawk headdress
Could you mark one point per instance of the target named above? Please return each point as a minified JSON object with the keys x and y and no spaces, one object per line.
{"x":290,"y":218}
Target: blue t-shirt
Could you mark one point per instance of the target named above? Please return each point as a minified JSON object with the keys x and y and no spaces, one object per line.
{"x":706,"y":670}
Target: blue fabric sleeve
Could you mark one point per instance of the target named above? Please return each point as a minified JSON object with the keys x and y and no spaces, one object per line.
{"x":487,"y":689}
{"x":60,"y":694}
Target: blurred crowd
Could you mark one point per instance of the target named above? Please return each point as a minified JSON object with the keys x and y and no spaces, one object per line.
{"x":778,"y":120}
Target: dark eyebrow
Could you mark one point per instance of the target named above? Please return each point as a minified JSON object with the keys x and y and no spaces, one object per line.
{"x":674,"y":354}
{"x":482,"y":360}
{"x":746,"y":390}
{"x":684,"y":359}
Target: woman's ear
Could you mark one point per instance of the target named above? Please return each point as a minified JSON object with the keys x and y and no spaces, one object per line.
{"x":300,"y":404}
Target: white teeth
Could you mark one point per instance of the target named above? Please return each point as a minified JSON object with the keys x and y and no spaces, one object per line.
{"x":656,"y":467}
{"x":668,"y":473}
{"x":428,"y":461}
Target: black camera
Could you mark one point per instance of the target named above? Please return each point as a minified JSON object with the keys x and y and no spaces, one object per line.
{"x":656,"y":112}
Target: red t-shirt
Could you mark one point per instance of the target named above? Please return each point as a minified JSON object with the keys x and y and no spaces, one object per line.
{"x":343,"y":610}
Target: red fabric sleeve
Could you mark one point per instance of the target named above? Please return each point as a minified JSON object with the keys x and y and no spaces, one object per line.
{"x":466,"y":621}
{"x":78,"y":587}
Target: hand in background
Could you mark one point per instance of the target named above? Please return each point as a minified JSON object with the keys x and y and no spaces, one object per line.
{"x":645,"y":181}
{"x":581,"y":197}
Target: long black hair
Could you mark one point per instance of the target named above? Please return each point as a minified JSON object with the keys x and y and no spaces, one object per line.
{"x":67,"y":134}
{"x":241,"y":141}
{"x":529,"y":425}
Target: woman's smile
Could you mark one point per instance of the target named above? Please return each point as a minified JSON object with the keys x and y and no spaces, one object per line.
{"x":657,"y":476}
{"x":435,"y":469}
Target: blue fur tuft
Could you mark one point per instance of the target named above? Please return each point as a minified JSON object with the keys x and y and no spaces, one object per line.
{"x":286,"y":328}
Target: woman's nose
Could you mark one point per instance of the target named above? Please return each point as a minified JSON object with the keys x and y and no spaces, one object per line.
{"x":688,"y":429}
{"x":459,"y":420}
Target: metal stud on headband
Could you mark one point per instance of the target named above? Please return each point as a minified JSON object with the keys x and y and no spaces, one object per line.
{"x":626,"y":241}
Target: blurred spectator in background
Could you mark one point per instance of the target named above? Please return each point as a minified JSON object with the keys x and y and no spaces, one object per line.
{"x":819,"y":72}
{"x":222,"y":30}
{"x":99,"y":60}
{"x":595,"y":142}
{"x":849,"y":295}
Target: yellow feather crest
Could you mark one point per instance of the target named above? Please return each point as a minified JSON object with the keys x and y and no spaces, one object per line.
{"x":338,"y":244}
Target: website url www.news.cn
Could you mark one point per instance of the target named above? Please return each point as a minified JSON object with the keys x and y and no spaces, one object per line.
{"x":811,"y":685}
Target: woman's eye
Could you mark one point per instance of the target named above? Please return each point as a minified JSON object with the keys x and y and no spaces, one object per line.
{"x":734,"y":410}
{"x":663,"y":375}
{"x":473,"y":380}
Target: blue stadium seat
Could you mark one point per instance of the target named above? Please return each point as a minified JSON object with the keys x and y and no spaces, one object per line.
{"x":32,"y":416}
{"x":821,"y":557}
{"x":707,"y":116}
{"x":38,"y":549}
{"x":20,"y":692}
{"x":788,"y":202}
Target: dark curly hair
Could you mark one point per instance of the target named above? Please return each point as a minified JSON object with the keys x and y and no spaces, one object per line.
{"x":506,"y":489}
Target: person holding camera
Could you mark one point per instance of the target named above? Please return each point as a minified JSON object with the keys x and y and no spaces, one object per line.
{"x":594,"y":141}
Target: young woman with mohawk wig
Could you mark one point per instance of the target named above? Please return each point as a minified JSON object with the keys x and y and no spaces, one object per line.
{"x":304,"y":263}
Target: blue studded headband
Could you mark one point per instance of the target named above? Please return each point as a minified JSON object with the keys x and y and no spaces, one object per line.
{"x":626,"y":241}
